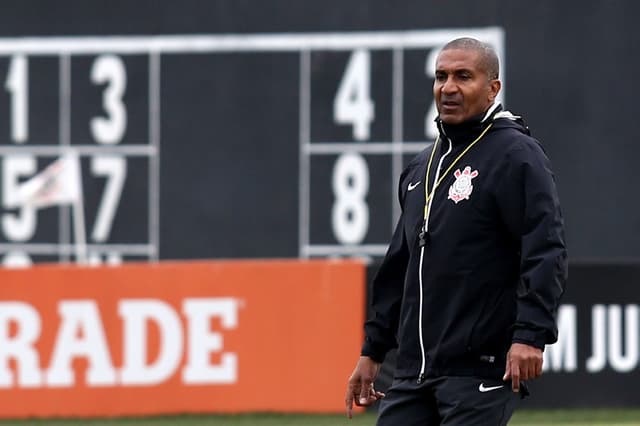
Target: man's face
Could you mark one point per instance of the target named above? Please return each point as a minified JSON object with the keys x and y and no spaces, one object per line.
{"x":462,"y":88}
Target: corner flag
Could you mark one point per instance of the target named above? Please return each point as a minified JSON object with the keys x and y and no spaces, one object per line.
{"x":58,"y":184}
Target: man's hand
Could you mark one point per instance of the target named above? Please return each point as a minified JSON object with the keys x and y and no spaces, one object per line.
{"x":360,"y":386}
{"x":524,"y":362}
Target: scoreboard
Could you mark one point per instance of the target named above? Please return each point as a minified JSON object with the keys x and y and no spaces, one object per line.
{"x":366,"y":110}
{"x":109,"y":117}
{"x":362,"y":108}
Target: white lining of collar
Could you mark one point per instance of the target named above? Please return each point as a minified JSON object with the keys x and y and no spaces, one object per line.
{"x":490,"y":111}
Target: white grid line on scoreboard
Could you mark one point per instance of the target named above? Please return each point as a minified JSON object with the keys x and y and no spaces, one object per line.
{"x":154,"y":166}
{"x":129,"y":150}
{"x":397,"y":130}
{"x":64,"y":219}
{"x":70,"y":249}
{"x":304,"y":159}
{"x":65,"y":97}
{"x":348,"y":250}
{"x":205,"y":43}
{"x":366,"y":147}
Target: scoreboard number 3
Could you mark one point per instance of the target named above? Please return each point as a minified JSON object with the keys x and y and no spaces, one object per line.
{"x":109,"y":69}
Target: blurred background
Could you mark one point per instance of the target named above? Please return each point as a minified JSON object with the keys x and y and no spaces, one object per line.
{"x":278,"y":129}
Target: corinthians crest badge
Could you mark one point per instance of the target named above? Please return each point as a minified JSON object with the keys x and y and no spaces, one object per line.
{"x":462,"y":187}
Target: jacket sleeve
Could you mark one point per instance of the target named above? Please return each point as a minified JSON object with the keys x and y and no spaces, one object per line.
{"x":530,"y":208}
{"x":386,"y":297}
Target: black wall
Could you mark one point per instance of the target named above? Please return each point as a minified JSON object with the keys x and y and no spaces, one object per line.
{"x":233,"y":118}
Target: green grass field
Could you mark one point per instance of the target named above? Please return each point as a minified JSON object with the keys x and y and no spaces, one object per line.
{"x":522,"y":418}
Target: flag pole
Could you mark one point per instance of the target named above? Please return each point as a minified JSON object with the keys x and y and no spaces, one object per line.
{"x":60,"y":183}
{"x":78,"y":214}
{"x":81,"y":237}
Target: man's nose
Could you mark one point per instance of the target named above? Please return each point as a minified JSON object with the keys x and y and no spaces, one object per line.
{"x":449,"y":87}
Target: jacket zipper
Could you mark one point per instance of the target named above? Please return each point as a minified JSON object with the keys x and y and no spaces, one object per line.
{"x":425,"y":230}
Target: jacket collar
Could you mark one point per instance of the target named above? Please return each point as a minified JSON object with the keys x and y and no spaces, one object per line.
{"x":467,"y":131}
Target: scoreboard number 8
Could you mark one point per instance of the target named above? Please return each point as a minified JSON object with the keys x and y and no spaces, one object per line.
{"x":350,"y":213}
{"x":353,"y":105}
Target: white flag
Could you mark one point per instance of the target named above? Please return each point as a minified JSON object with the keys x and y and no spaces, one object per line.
{"x":58,"y":184}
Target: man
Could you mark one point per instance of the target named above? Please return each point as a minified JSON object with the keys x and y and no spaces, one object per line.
{"x":469,"y":288}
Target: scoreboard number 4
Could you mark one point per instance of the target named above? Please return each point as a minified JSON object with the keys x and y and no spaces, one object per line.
{"x":353,"y":105}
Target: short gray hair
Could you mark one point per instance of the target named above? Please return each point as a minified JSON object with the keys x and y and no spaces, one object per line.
{"x":488,"y":57}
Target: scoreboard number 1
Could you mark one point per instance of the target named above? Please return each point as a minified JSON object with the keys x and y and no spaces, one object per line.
{"x":16,"y":85}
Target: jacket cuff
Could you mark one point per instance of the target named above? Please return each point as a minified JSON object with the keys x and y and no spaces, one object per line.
{"x":531,"y":337}
{"x":373,"y":351}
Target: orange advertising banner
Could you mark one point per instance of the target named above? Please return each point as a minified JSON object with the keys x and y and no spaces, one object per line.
{"x":179,"y":337}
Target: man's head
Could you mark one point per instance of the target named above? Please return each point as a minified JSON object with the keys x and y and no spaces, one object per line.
{"x":466,"y":80}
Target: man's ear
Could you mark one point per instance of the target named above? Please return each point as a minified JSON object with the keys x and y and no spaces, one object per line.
{"x":494,"y":89}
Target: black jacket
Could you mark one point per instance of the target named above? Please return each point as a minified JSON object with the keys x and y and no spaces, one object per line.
{"x":492,"y":265}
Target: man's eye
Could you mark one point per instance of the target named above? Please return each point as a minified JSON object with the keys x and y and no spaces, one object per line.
{"x":441,"y":77}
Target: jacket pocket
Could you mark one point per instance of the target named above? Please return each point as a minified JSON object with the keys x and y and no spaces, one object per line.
{"x":491,"y":330}
{"x":476,"y":319}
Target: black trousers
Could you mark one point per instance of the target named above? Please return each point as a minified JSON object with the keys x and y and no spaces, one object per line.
{"x":447,"y":401}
